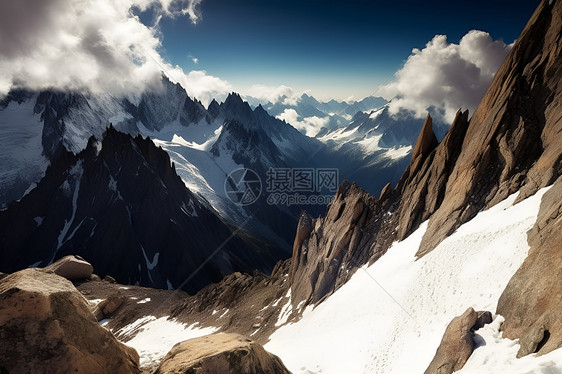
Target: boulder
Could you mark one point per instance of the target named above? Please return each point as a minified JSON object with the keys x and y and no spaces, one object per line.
{"x":72,"y":268}
{"x":46,"y":327}
{"x":457,"y":343}
{"x":220,"y":354}
{"x":109,"y":278}
{"x":107,"y":307}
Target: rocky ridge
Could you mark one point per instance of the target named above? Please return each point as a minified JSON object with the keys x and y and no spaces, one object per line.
{"x":120,"y":205}
{"x":511,"y":143}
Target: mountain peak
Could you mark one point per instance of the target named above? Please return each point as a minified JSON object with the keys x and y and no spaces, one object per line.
{"x":234,"y":97}
{"x":427,"y":141}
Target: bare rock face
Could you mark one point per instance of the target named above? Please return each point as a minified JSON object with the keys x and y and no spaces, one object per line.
{"x":46,"y":327}
{"x":423,"y":184}
{"x":72,"y":268}
{"x":532,"y":301}
{"x":220,"y":354}
{"x":328,"y":249}
{"x":385,"y":192}
{"x":514,"y":139}
{"x":427,"y":141}
{"x":457,"y":343}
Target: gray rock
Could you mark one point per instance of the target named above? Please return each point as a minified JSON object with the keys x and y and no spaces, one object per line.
{"x":72,"y":268}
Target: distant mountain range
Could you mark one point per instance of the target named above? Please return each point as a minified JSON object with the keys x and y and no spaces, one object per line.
{"x":312,"y":116}
{"x":205,"y":145}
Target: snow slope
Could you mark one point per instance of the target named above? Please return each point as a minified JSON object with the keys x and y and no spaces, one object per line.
{"x":156,"y":336}
{"x":21,"y":159}
{"x":390,"y":317}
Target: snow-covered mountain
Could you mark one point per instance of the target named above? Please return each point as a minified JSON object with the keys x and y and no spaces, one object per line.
{"x":120,"y":204}
{"x":311,"y":116}
{"x":206,"y":145}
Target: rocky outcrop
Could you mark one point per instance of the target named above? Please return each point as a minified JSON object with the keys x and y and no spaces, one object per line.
{"x":457,"y":343}
{"x":514,"y":139}
{"x":328,"y":249}
{"x":359,"y":228}
{"x":422,"y":185}
{"x":426,"y":142}
{"x":220,"y":354}
{"x":532,"y":300}
{"x":72,"y":268}
{"x":121,"y":205}
{"x":46,"y":327}
{"x":107,"y":307}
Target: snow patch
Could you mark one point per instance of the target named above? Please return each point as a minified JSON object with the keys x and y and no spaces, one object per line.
{"x":76,"y":175}
{"x":286,"y":311}
{"x":104,"y":322}
{"x":495,"y":354}
{"x":224,"y":313}
{"x":156,"y":336}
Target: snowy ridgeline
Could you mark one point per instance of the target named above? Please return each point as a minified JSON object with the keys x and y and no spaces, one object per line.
{"x":390,"y":317}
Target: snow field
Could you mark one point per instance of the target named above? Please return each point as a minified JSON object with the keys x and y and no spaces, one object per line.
{"x":390,"y":317}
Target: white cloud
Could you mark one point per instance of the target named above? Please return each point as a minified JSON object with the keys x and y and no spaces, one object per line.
{"x":93,"y":45}
{"x":199,"y":84}
{"x":193,"y":10}
{"x":446,"y":76}
{"x":309,"y":125}
{"x":284,"y":94}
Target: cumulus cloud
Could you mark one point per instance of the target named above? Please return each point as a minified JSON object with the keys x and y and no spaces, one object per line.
{"x":446,"y":76}
{"x":309,"y":125}
{"x":93,"y":45}
{"x":201,"y":85}
{"x":280,"y":94}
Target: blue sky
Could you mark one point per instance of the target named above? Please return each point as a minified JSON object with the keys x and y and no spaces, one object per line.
{"x":329,"y":48}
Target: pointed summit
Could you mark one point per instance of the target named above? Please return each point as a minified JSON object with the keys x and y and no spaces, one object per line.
{"x":427,"y":141}
{"x":233,"y":98}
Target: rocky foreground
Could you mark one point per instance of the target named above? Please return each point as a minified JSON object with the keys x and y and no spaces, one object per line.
{"x":48,"y":326}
